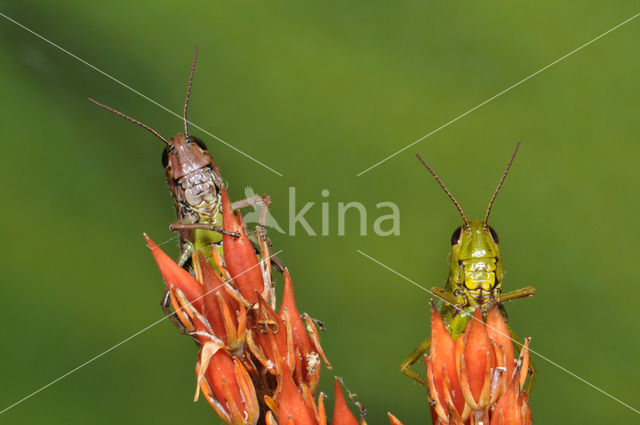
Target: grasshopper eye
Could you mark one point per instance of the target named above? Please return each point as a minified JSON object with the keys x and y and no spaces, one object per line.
{"x":200,"y":143}
{"x":494,"y":235}
{"x":455,"y":238}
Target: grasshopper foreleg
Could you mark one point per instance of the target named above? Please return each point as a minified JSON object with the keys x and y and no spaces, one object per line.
{"x":177,"y":227}
{"x":527,"y":291}
{"x":443,"y":295}
{"x":498,"y":299}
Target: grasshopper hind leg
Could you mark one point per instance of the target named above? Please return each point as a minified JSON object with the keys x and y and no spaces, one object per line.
{"x":165,"y":303}
{"x":414,"y":356}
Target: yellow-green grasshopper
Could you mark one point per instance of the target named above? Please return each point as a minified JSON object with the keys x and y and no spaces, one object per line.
{"x":475,"y":275}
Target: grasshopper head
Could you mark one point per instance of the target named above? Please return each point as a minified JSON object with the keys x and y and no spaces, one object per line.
{"x":182,"y":156}
{"x":476,"y":240}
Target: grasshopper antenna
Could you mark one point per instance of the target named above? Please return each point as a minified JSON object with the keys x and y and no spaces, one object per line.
{"x":186,"y":101}
{"x":504,"y":176}
{"x":128,"y":118}
{"x":433,"y":173}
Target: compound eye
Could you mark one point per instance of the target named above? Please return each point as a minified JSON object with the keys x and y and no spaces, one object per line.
{"x":165,"y":157}
{"x":200,"y":143}
{"x":494,"y":235}
{"x":455,"y":238}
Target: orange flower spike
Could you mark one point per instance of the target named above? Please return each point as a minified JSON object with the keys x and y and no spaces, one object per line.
{"x":511,"y":408}
{"x":232,"y":389}
{"x":298,"y":371}
{"x":292,"y":405}
{"x":308,"y":398}
{"x":239,"y":256}
{"x":248,"y":392}
{"x":526,"y":411}
{"x":477,"y":352}
{"x":524,"y":361}
{"x":268,"y":339}
{"x":498,"y":331}
{"x":213,"y":291}
{"x":290,"y":349}
{"x":289,"y":304}
{"x":437,"y":408}
{"x":176,"y":276}
{"x":269,"y":419}
{"x":307,"y":360}
{"x":442,"y":359}
{"x":322,"y":412}
{"x":315,"y":339}
{"x":393,"y":419}
{"x":341,"y":413}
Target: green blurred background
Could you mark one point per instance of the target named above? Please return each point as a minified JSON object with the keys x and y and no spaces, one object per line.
{"x":319,"y":92}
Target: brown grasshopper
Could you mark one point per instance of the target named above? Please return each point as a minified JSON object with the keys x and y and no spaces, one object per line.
{"x":195,"y":182}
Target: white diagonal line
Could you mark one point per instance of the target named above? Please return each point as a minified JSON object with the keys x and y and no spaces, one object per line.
{"x":508,"y":336}
{"x":91,"y":360}
{"x":499,"y":94}
{"x":137,"y":92}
